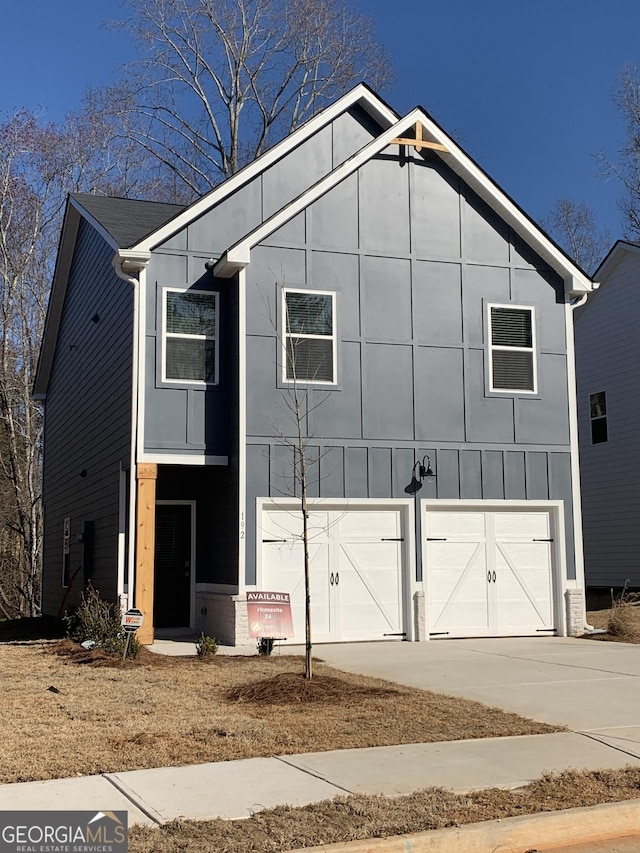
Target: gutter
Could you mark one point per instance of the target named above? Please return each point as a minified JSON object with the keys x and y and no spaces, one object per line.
{"x":127,"y":265}
{"x":576,"y":302}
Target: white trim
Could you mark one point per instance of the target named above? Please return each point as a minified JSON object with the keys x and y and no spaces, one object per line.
{"x":503,"y":348}
{"x":192,"y":560}
{"x":407,"y":509}
{"x":141,"y":341}
{"x":574,"y":279}
{"x":286,"y":334}
{"x":102,"y":231}
{"x":164,"y":334}
{"x":123,"y":521}
{"x":242,"y":430}
{"x":182,"y":459}
{"x":558,"y":546}
{"x":361,"y":95}
{"x":578,"y":547}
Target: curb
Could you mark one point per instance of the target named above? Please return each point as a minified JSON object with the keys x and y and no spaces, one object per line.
{"x":509,"y":835}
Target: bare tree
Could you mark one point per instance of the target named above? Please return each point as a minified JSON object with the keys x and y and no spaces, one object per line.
{"x":574,"y":226}
{"x":626,"y":165}
{"x":39,"y":163}
{"x":220,"y":81}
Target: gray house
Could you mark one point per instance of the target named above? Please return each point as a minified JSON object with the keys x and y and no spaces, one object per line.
{"x":607,"y":355}
{"x":367,"y":264}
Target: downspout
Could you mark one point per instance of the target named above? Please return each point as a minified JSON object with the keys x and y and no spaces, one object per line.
{"x":137,"y":264}
{"x":575,"y":460}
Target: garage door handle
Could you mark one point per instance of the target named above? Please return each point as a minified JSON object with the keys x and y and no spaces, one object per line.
{"x":494,"y":577}
{"x":488,"y":577}
{"x":337,"y":578}
{"x":491,"y":576}
{"x":331,"y":578}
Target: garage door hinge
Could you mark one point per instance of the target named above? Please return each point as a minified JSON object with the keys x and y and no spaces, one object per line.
{"x":540,"y":630}
{"x":392,"y":540}
{"x":430,"y":539}
{"x":401,"y":634}
{"x":543,"y":540}
{"x":274,"y":540}
{"x":438,"y":633}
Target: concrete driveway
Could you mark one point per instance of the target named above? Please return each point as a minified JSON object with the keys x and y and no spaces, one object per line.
{"x":589,"y":686}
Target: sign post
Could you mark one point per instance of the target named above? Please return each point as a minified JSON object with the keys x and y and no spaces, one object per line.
{"x":131,"y":621}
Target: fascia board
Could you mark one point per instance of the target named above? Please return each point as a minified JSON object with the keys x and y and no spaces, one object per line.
{"x":614,"y":256}
{"x":243,"y":247}
{"x":500,"y":202}
{"x":64,"y":258}
{"x":95,"y":224}
{"x":575,"y":280}
{"x":361,"y":95}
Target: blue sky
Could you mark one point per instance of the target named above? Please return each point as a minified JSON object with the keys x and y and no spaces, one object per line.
{"x":526,"y":87}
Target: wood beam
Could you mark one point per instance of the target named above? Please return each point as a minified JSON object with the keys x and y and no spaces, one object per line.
{"x":419,"y":143}
{"x":147,"y":474}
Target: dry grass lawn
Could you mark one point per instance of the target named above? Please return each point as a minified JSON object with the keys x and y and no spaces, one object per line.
{"x":359,"y":817}
{"x":60,"y":717}
{"x":620,"y":618}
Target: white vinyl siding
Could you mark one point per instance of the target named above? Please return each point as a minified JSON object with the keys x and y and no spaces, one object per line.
{"x":190,"y":336}
{"x":309,"y":340}
{"x":512,"y":349}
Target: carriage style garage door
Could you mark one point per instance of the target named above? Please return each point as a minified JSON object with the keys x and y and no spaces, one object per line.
{"x":356,"y":570}
{"x":489,"y":573}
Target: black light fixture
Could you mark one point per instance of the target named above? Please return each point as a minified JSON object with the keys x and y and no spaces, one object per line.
{"x":423,"y":472}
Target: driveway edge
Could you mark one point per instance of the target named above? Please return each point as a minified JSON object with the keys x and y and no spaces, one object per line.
{"x":540,"y":832}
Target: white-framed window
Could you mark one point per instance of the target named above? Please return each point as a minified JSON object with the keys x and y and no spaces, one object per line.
{"x":598,"y":414}
{"x":309,"y":339}
{"x":512,"y":349}
{"x":190,"y":336}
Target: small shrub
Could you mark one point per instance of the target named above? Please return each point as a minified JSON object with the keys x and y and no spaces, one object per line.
{"x":99,"y":621}
{"x":206,"y":646}
{"x":265,"y":645}
{"x":624,"y":617}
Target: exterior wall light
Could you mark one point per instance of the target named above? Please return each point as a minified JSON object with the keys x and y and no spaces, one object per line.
{"x":423,"y":472}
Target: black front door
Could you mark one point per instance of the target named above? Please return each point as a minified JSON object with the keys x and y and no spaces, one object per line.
{"x":172,"y":586}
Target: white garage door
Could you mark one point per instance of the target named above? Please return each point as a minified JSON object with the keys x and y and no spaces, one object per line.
{"x":489,"y":573}
{"x":355,"y":570}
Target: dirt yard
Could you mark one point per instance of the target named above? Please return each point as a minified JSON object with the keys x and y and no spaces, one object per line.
{"x":348,"y":819}
{"x":65,"y":712}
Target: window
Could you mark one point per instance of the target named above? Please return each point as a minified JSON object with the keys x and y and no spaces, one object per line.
{"x":190,"y":340}
{"x":598,"y":411}
{"x":512,"y":362}
{"x":66,"y":552}
{"x":309,"y":338}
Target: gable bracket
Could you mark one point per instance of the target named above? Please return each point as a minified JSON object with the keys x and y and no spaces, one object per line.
{"x":419,"y":143}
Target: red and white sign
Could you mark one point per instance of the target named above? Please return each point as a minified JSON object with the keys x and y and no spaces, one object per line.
{"x":270,"y":615}
{"x":132,"y":620}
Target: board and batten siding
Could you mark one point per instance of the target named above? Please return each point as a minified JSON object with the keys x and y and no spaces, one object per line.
{"x":186,"y":419}
{"x":414,"y":258}
{"x":607,"y":358}
{"x":88,"y":424}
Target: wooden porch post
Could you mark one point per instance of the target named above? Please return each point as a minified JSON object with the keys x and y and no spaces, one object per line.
{"x":147,"y":474}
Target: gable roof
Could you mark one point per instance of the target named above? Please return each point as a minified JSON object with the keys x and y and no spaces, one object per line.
{"x":614,"y":256}
{"x":126,"y":221}
{"x":576,"y":280}
{"x":134,"y":228}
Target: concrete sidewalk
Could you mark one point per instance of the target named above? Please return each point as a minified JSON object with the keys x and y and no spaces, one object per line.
{"x":237,"y":789}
